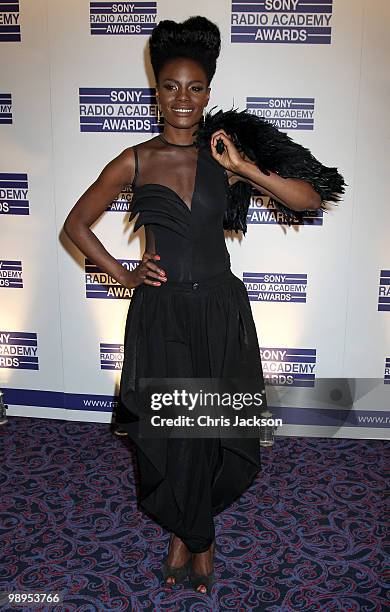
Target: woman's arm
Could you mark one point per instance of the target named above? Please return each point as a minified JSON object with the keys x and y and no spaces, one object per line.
{"x":296,"y":194}
{"x":116,"y":174}
{"x":293,"y":193}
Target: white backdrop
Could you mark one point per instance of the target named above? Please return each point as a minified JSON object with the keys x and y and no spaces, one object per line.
{"x":77,"y":88}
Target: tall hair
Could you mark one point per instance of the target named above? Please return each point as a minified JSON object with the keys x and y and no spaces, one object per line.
{"x":196,"y":38}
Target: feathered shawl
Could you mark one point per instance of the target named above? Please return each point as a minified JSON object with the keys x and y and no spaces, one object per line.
{"x":271,"y":150}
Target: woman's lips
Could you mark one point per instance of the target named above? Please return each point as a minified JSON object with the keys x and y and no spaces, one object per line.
{"x":182,"y":111}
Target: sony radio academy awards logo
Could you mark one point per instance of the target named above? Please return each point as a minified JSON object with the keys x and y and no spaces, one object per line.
{"x":275,"y":287}
{"x":384,"y":291}
{"x":99,"y":284}
{"x":284,"y":113}
{"x":122,"y":201}
{"x":386,"y":378}
{"x":281,"y":21}
{"x":11,"y":274}
{"x":111,"y":356}
{"x":9,"y":21}
{"x":289,"y":366}
{"x":118,"y":109}
{"x":14,"y":194}
{"x":5,"y":107}
{"x":122,"y":18}
{"x":18,"y":350}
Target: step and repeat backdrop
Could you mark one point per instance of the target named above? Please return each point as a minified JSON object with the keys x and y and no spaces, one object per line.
{"x":77,"y":88}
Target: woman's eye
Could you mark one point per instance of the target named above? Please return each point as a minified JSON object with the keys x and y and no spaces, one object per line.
{"x":196,"y":89}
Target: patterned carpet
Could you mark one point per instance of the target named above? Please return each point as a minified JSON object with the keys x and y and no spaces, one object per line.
{"x":307,"y":536}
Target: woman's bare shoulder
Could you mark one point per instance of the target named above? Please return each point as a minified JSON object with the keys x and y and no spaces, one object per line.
{"x":146,"y":153}
{"x":147,"y":145}
{"x":124,"y":162}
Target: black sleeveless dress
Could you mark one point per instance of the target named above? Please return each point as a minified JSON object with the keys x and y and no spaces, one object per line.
{"x":198,"y":324}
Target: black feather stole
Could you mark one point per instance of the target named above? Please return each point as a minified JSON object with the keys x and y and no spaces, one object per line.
{"x":272,"y":151}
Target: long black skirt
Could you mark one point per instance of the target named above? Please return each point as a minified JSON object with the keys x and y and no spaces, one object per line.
{"x":200,"y":330}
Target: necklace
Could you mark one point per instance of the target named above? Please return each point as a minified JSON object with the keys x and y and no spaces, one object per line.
{"x":173,"y":144}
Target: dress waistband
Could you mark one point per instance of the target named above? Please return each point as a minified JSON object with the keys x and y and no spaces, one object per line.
{"x":195,"y":285}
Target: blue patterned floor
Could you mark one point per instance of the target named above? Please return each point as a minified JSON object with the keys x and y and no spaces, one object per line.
{"x":307,"y":536}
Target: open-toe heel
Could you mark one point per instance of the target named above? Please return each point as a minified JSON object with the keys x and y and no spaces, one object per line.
{"x":179,"y":574}
{"x":207,"y":580}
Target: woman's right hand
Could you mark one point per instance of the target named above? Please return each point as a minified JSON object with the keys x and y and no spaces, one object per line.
{"x":147,"y":272}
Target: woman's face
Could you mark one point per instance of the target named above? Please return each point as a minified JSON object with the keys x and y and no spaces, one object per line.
{"x":182,"y":92}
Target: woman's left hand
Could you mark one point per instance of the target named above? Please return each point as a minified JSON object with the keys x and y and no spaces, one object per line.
{"x":230,"y":159}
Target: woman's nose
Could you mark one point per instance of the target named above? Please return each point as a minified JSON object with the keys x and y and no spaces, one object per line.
{"x":182,"y":95}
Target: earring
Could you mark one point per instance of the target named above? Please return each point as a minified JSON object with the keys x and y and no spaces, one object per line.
{"x":159,"y":114}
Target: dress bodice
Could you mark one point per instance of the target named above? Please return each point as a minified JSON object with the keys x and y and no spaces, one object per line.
{"x":189,"y":239}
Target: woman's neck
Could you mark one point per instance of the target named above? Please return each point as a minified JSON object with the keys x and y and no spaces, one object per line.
{"x":174,"y":144}
{"x":179,"y":138}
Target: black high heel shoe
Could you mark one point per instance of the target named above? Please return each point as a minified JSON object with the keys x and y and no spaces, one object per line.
{"x":206,"y":580}
{"x":179,"y":574}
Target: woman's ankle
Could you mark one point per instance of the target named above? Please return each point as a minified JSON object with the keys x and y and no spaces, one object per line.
{"x":203,"y":563}
{"x":178,"y":552}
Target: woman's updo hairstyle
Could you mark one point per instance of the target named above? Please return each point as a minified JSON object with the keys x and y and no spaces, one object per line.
{"x":197,"y":38}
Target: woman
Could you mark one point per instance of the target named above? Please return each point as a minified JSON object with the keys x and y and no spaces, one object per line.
{"x":189,"y":315}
